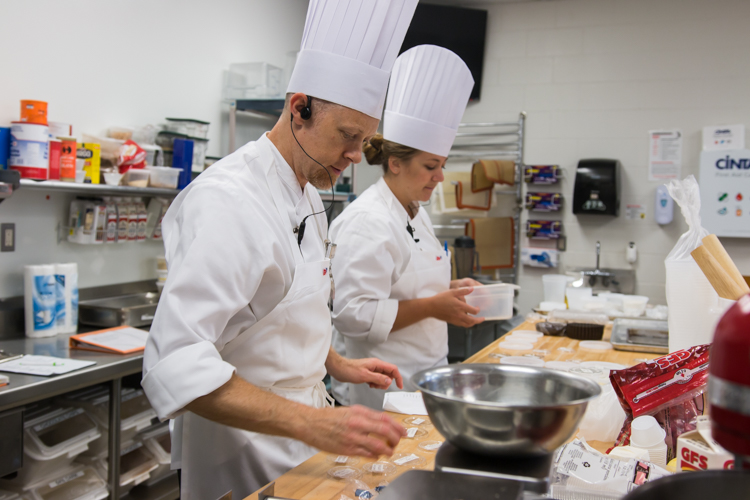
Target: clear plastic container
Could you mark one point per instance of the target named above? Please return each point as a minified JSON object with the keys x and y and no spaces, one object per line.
{"x":9,"y":495}
{"x":136,"y":177}
{"x":54,"y":436}
{"x":112,"y":178}
{"x":634,"y":305}
{"x":136,"y":464}
{"x":554,"y":287}
{"x":135,"y":411}
{"x":200,"y":148}
{"x":252,"y":81}
{"x":159,"y":443}
{"x":164,"y":177}
{"x":187,"y":126}
{"x":76,"y":483}
{"x":494,"y":301}
{"x":154,"y":156}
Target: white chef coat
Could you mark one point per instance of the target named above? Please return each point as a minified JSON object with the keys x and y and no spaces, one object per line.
{"x":377,"y":264}
{"x":232,"y":263}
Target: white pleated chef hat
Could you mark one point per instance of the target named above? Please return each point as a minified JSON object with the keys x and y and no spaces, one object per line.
{"x":348,"y":49}
{"x":427,"y":96}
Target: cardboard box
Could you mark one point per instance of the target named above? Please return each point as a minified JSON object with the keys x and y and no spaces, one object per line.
{"x":697,"y":450}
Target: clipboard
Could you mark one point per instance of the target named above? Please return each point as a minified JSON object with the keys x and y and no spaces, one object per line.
{"x":118,"y":340}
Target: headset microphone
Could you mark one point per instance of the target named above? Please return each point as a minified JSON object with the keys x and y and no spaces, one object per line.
{"x":305,"y":113}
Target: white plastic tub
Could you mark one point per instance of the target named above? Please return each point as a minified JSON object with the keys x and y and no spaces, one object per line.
{"x":164,"y":177}
{"x":54,"y":436}
{"x":75,"y":483}
{"x":494,"y":301}
{"x":554,"y":287}
{"x":634,"y":305}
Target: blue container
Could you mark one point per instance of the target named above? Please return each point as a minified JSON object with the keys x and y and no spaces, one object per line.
{"x":182,"y":157}
{"x":4,"y":147}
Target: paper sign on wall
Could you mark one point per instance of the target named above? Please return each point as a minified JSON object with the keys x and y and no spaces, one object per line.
{"x":724,"y":137}
{"x":725,"y":192}
{"x":665,"y":155}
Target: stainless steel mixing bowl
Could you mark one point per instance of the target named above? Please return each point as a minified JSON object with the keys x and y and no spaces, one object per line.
{"x":504,"y":409}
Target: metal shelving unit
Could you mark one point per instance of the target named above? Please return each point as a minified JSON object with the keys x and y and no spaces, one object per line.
{"x":95,"y":189}
{"x":498,"y":141}
{"x":270,"y":109}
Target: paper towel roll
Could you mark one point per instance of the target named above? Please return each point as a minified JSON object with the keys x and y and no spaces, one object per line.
{"x":66,"y":281}
{"x":40,"y":301}
{"x":690,"y":298}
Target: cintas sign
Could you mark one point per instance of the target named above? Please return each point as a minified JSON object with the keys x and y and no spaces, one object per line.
{"x":725,"y":192}
{"x":730,"y":163}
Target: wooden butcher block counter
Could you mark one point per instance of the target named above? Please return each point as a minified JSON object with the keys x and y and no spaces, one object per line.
{"x":310,"y":481}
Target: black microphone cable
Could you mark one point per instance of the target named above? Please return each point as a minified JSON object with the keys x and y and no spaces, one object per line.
{"x":302,"y":225}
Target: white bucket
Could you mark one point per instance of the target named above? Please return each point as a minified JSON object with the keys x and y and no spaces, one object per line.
{"x":29,"y":150}
{"x":554,"y":287}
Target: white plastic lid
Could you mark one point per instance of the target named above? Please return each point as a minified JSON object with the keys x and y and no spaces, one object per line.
{"x":532,"y":334}
{"x":596,"y":345}
{"x":521,"y":360}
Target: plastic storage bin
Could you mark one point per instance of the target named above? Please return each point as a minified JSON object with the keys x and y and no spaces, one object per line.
{"x":188,"y":126}
{"x":135,"y":177}
{"x":154,"y":155}
{"x":494,"y":301}
{"x":135,"y":413}
{"x":9,"y":495}
{"x":136,"y":464}
{"x":54,"y":436}
{"x":163,"y":177}
{"x":159,"y":443}
{"x":76,"y":483}
{"x":200,"y":148}
{"x":256,"y":80}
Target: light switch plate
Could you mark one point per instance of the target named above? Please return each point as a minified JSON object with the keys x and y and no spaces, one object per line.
{"x":7,"y":237}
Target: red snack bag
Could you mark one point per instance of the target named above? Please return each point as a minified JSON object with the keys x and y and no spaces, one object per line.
{"x":669,"y":388}
{"x":131,"y":156}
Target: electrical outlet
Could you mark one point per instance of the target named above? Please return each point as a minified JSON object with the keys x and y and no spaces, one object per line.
{"x":7,"y":237}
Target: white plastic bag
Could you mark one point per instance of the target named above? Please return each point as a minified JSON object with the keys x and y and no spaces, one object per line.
{"x":690,"y":296}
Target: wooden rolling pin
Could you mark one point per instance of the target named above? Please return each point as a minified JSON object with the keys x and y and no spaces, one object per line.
{"x":713,"y":245}
{"x":720,"y":280}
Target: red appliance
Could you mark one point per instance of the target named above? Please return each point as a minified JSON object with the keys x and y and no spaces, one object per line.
{"x":729,"y":382}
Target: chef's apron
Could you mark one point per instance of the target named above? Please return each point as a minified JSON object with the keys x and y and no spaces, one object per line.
{"x":421,"y":345}
{"x":292,"y":341}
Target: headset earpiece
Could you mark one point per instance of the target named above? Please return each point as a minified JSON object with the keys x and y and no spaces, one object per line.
{"x":306,"y":112}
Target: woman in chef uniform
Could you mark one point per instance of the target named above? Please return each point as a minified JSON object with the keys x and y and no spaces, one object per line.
{"x":394,"y":296}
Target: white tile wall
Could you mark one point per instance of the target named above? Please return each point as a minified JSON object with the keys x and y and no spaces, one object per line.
{"x":594,"y":77}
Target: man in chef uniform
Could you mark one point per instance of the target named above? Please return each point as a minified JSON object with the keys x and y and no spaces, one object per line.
{"x":394,"y":297}
{"x":242,"y":337}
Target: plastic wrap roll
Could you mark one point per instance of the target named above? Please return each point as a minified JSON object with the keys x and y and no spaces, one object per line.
{"x":40,"y":301}
{"x":66,"y":286}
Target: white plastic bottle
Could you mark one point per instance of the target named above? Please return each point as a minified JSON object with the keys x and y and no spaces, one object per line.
{"x":132,"y":220}
{"x":122,"y":220}
{"x":142,"y":219}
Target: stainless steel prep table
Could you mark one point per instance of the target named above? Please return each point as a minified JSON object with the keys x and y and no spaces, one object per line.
{"x":109,"y":368}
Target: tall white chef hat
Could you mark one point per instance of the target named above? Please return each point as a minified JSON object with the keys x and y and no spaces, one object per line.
{"x":427,"y":96}
{"x":348,"y":49}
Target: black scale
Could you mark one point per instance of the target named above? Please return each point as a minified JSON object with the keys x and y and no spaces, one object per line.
{"x":532,"y":472}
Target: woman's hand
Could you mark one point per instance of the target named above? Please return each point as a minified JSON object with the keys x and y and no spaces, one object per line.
{"x":451,"y":306}
{"x":464,"y":282}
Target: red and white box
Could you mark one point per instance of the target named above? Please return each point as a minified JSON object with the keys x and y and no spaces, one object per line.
{"x":697,"y":450}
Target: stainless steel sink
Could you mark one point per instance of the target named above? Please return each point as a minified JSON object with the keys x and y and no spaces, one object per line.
{"x":134,"y":310}
{"x":606,"y":279}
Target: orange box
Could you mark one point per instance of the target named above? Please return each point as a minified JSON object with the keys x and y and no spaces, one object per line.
{"x":34,"y":112}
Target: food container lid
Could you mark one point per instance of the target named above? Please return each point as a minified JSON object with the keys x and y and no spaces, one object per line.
{"x":54,"y":431}
{"x":521,"y":360}
{"x":158,"y":442}
{"x":135,"y":411}
{"x":76,"y":483}
{"x":136,"y":463}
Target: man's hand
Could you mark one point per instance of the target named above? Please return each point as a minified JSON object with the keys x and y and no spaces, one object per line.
{"x":371,"y":371}
{"x":354,"y":431}
{"x":451,"y":306}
